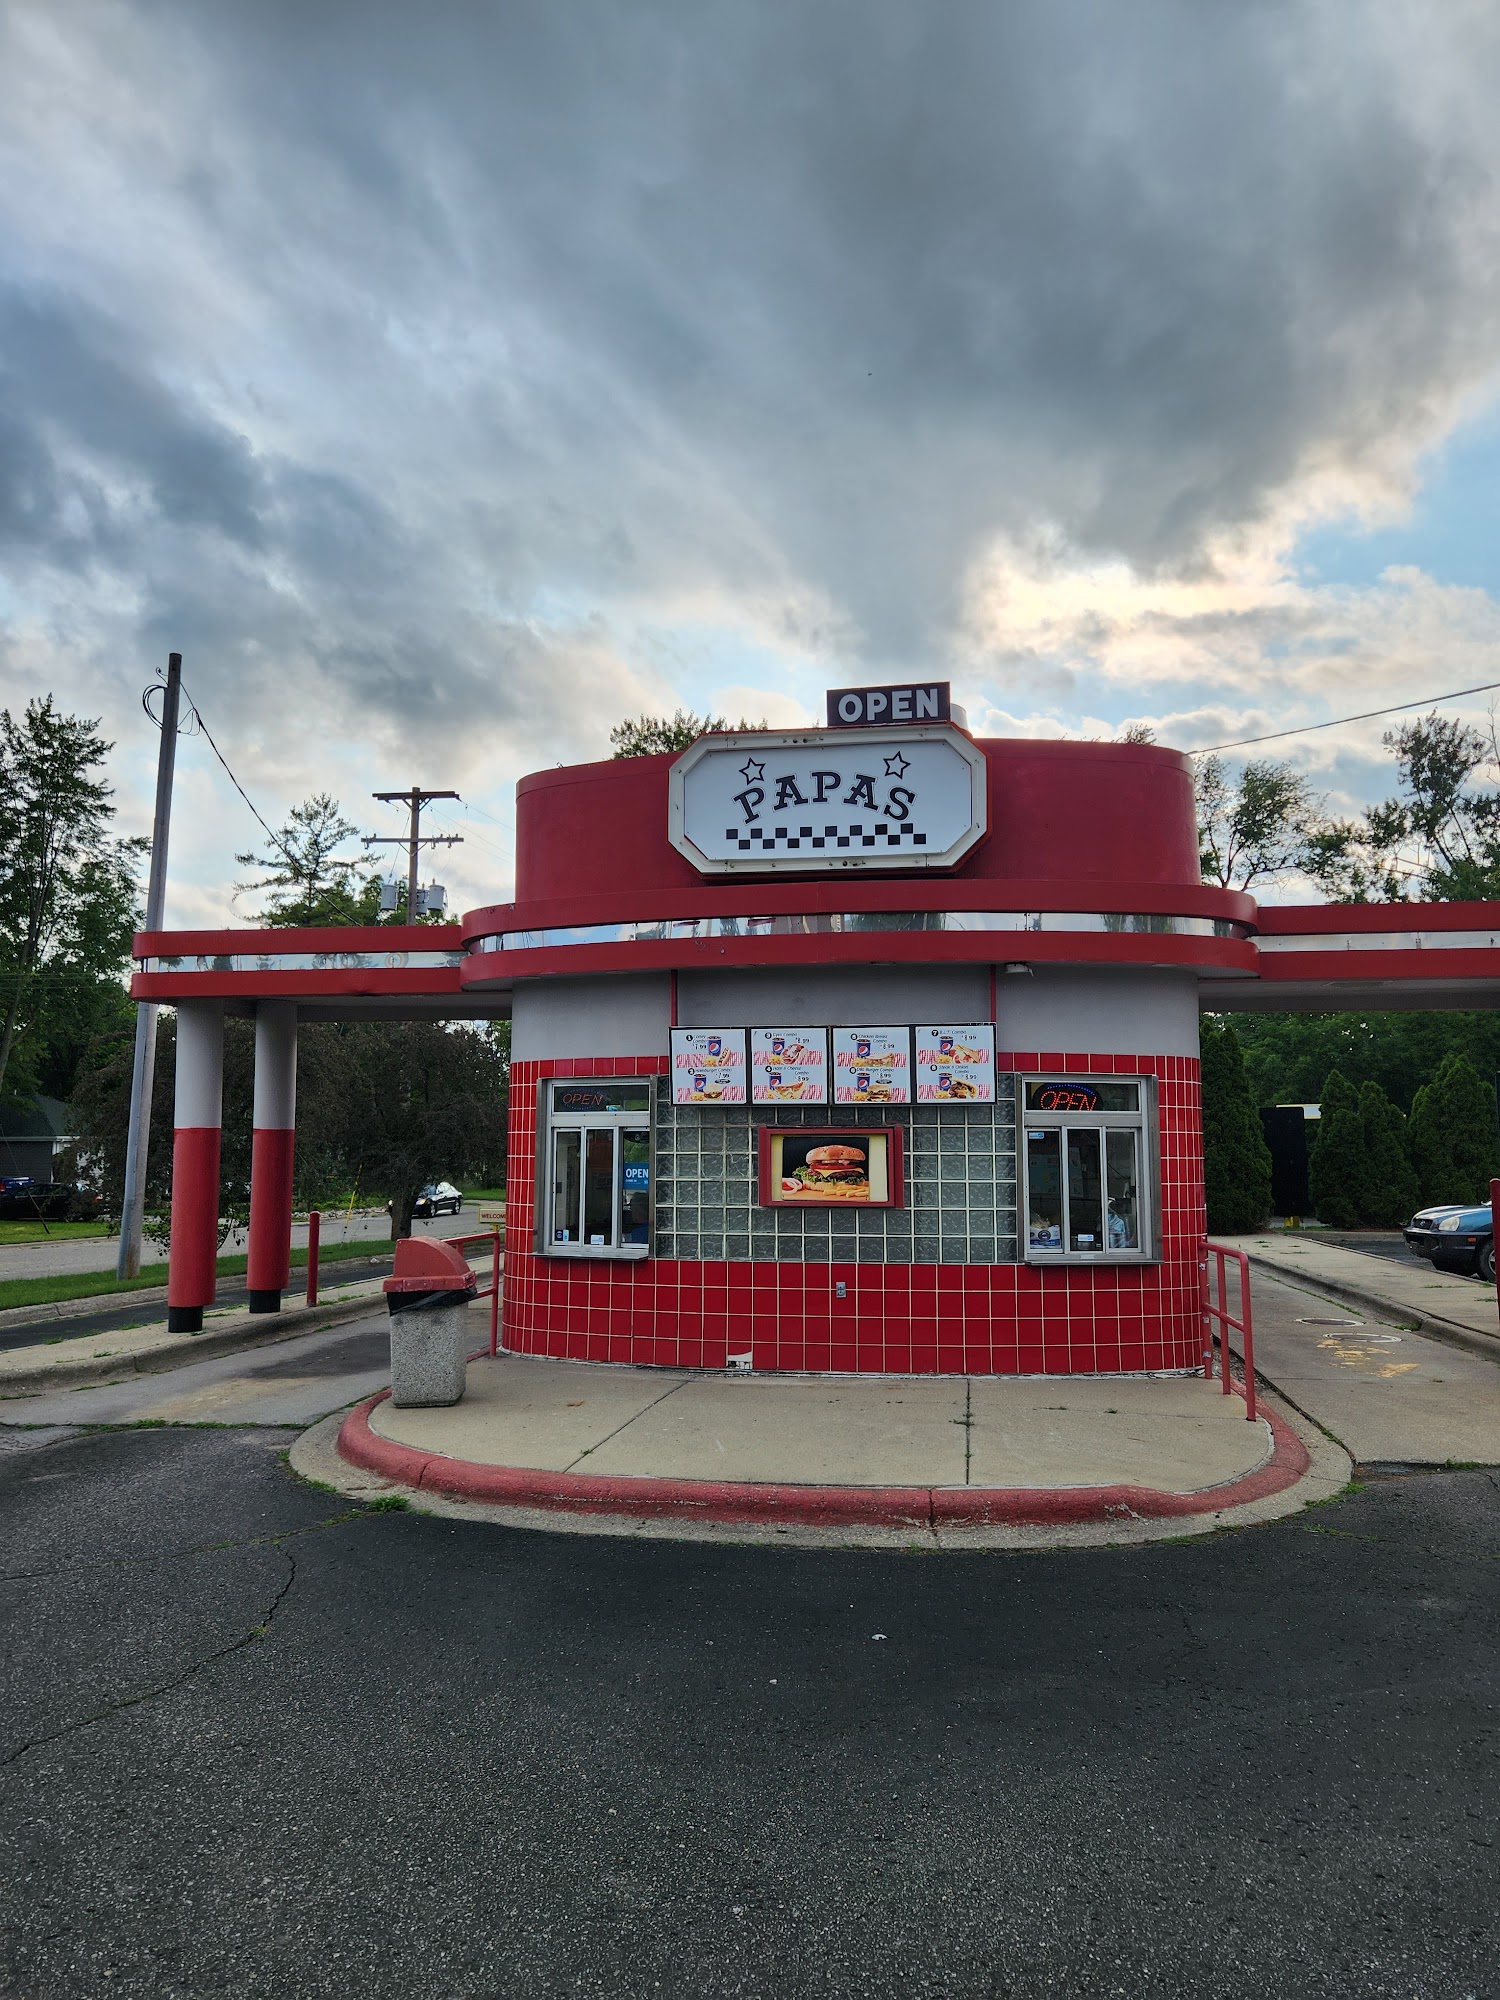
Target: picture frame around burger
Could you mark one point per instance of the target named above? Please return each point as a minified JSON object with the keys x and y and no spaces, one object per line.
{"x":835,"y":1166}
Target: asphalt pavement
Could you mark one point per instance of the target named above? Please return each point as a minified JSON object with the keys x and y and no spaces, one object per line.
{"x":258,"y":1738}
{"x":1387,"y":1243}
{"x":262,"y":1740}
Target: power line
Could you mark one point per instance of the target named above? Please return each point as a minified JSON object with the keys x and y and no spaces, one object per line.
{"x":1369,"y":715}
{"x":274,"y":838}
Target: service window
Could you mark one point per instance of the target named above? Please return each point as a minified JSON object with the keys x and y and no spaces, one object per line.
{"x":596,"y":1180}
{"x":1088,"y":1151}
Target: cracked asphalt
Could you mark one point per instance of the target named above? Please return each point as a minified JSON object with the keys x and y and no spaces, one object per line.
{"x":258,"y":1739}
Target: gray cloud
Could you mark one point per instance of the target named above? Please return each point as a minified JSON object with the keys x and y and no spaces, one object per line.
{"x":448,"y":345}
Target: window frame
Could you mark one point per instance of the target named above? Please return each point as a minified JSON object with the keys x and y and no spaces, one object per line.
{"x":553,"y":1121}
{"x":1144,"y":1122}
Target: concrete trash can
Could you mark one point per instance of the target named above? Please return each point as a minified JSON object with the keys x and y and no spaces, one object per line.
{"x":428,"y":1300}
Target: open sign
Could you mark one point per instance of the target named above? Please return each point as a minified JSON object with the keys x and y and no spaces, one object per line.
{"x":919,"y":701}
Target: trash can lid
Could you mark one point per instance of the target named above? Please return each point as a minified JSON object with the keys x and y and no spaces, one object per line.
{"x":427,"y":1264}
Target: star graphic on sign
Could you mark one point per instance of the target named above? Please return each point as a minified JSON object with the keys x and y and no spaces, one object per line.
{"x":752,"y":772}
{"x":897,"y":766}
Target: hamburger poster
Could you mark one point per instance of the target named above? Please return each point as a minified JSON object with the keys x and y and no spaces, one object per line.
{"x":872,"y":1065}
{"x":708,"y":1065}
{"x":789,"y":1065}
{"x":956,"y":1065}
{"x":828,"y":1169}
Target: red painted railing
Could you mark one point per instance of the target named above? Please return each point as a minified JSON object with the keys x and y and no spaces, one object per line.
{"x":1218,"y":1316}
{"x":492,"y":1290}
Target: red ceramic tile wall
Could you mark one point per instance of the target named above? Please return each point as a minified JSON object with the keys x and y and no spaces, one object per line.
{"x":1001,"y":1319}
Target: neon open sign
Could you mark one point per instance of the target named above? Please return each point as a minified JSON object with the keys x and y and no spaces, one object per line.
{"x":1064,"y":1097}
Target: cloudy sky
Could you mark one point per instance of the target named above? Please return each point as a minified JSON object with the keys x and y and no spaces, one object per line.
{"x":446,"y":382}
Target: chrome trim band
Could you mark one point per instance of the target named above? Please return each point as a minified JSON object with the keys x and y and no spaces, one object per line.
{"x":1412,"y":940}
{"x":862,"y":922}
{"x":302,"y":961}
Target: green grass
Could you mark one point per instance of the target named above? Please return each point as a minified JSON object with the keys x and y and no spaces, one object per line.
{"x":104,"y":1284}
{"x":483,"y":1194}
{"x":50,"y":1232}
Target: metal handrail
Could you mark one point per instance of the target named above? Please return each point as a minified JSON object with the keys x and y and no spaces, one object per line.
{"x":492,"y":1290}
{"x":1243,"y":1326}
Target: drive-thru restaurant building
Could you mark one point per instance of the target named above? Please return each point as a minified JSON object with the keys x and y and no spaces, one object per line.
{"x":865,"y":1048}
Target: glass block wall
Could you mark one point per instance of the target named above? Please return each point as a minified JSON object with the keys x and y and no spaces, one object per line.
{"x":960,"y":1186}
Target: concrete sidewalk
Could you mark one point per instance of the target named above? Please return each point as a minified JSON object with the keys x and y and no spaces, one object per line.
{"x":1391,"y":1395}
{"x":1064,"y":1458}
{"x":1458,"y":1309}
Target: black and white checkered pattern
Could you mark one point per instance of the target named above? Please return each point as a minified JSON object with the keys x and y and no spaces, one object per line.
{"x":790,"y":840}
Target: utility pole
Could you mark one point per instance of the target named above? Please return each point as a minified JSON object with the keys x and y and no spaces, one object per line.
{"x":413,"y":842}
{"x":143,"y":1073}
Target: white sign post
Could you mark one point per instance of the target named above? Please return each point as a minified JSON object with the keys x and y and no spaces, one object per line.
{"x":769,"y":802}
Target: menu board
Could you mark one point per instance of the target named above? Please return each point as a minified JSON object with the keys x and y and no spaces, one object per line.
{"x":872,"y":1065}
{"x":708,"y":1065}
{"x":789,"y":1065}
{"x":956,"y":1065}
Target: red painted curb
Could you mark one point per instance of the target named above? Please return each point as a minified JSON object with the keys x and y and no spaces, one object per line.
{"x":808,"y":1506}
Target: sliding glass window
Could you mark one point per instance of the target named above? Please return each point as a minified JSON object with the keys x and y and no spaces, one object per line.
{"x":596,"y":1180}
{"x":1088,"y":1149}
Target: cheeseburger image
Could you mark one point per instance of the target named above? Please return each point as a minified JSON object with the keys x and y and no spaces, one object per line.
{"x":832,"y":1173}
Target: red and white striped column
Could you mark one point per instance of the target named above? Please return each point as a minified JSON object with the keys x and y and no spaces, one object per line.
{"x":271,"y":1148}
{"x":195,"y":1163}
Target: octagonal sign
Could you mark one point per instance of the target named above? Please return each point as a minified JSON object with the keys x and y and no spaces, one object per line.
{"x":814,"y":801}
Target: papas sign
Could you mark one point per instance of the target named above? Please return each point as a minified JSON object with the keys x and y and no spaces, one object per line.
{"x":810,"y":801}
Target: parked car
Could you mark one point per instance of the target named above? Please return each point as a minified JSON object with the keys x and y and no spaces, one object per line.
{"x":439,"y":1198}
{"x":1455,"y":1238}
{"x":32,"y":1201}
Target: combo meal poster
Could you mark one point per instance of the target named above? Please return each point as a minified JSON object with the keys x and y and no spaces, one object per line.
{"x":708,"y":1065}
{"x":872,"y":1065}
{"x":956,"y":1065}
{"x":789,"y":1065}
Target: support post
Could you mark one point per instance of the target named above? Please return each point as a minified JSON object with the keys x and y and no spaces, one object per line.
{"x":271,"y":1151}
{"x":193,"y":1268}
{"x":143,"y":1073}
{"x":314,"y":1232}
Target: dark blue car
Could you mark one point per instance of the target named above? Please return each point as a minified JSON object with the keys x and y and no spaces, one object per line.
{"x":1455,"y":1238}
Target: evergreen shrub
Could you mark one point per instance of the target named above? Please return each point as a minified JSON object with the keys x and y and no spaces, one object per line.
{"x":1236,"y":1158}
{"x":1336,"y":1172}
{"x":1452,"y":1135}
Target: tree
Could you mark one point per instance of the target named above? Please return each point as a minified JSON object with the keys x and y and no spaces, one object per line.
{"x":1389,"y":1191}
{"x":317,"y":884}
{"x":1236,"y":1158}
{"x":1452,"y":1134}
{"x":656,"y":735}
{"x":1336,"y":1178}
{"x":426,"y":1104}
{"x":1288,"y":1055}
{"x":382,"y":1108}
{"x":67,"y":888}
{"x":1457,"y":827}
{"x":1257,"y":829}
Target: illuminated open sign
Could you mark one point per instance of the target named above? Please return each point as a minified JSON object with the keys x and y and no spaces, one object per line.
{"x":1073,"y":1094}
{"x":1063,"y":1097}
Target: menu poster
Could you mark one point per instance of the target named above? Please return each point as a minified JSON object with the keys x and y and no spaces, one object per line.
{"x":789,"y":1065}
{"x":956,"y":1065}
{"x":872,"y":1065}
{"x":708,"y":1065}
